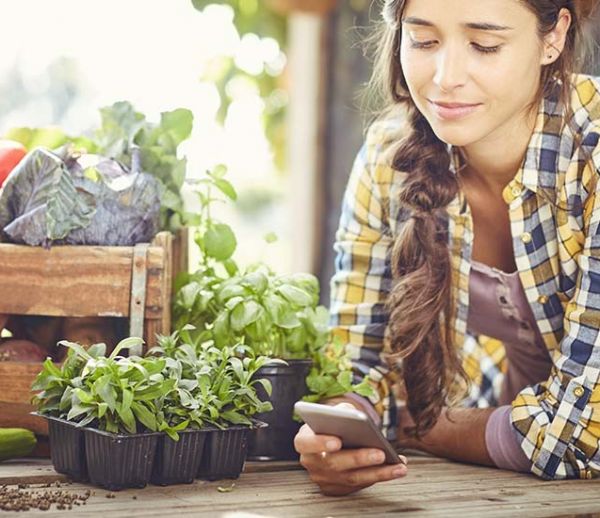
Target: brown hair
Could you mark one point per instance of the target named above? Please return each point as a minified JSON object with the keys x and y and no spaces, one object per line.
{"x":420,"y":305}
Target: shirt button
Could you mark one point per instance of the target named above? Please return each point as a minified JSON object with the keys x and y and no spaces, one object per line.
{"x":516,"y":190}
{"x":578,"y":391}
{"x":543,"y":299}
{"x":526,"y":237}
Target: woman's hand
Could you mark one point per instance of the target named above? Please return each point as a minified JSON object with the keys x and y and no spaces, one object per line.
{"x":341,"y":472}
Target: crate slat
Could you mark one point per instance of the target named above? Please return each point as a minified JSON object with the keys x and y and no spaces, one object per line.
{"x":78,"y":281}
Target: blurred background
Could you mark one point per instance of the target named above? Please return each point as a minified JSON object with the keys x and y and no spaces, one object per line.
{"x":272,"y":84}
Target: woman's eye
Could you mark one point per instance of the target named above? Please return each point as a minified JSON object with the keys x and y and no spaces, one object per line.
{"x":486,"y":50}
{"x":415,"y":44}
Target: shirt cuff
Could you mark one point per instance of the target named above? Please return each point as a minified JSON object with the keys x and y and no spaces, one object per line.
{"x":502,"y":442}
{"x":365,"y":405}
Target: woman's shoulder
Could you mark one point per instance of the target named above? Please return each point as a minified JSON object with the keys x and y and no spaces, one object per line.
{"x":578,"y":148}
{"x":585,"y":104}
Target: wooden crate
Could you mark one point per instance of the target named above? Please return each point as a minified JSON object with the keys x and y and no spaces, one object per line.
{"x":84,"y":281}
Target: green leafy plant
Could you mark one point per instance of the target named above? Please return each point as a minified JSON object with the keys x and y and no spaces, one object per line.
{"x":115,"y":393}
{"x":177,"y":386}
{"x":273,"y":315}
{"x":214,"y":386}
{"x":331,"y":375}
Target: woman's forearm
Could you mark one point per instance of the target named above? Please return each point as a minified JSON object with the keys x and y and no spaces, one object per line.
{"x":459,"y":435}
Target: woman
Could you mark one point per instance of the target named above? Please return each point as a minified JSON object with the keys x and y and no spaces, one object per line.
{"x":469,"y":245}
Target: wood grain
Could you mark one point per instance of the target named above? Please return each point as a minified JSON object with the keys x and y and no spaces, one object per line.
{"x":15,"y":396}
{"x":434,"y":487}
{"x":75,"y":281}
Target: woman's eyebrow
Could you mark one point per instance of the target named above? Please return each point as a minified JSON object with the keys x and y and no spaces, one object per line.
{"x":482,"y":26}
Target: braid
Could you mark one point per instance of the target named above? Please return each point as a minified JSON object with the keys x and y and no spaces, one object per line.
{"x":420,"y":303}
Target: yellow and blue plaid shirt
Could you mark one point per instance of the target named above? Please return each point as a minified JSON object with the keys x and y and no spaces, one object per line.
{"x":554,"y":207}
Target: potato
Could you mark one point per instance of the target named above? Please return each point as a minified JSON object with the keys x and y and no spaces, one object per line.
{"x":15,"y":350}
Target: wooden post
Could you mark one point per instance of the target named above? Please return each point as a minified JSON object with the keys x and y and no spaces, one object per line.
{"x":345,"y":72}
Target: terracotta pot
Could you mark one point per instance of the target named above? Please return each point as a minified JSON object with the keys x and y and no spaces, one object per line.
{"x":310,"y":6}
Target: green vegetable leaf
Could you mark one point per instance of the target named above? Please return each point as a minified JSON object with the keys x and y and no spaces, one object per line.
{"x":244,"y":314}
{"x":226,"y":188}
{"x":178,"y":123}
{"x":296,"y":295}
{"x":220,"y":242}
{"x":144,"y":416}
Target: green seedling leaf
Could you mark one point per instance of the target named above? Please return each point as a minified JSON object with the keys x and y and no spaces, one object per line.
{"x":127,"y":419}
{"x":144,"y":416}
{"x":296,"y":295}
{"x":127,"y":343}
{"x":244,"y":314}
{"x":76,"y":411}
{"x":266,"y":385}
{"x":226,"y":188}
{"x":218,"y":172}
{"x":79,"y":350}
{"x":178,"y":123}
{"x":220,"y":242}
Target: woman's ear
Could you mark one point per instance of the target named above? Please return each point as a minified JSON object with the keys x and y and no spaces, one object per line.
{"x":554,"y":41}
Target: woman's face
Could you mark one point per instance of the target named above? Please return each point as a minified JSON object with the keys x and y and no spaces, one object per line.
{"x":472,"y":66}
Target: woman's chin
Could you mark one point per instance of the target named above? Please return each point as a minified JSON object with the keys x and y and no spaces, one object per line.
{"x":458,"y":137}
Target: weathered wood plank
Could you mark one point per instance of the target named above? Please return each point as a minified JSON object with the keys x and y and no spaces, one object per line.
{"x":15,"y":395}
{"x":28,"y":471}
{"x":434,"y":487}
{"x":16,"y":379}
{"x":152,"y":327}
{"x":17,"y":415}
{"x":76,"y":281}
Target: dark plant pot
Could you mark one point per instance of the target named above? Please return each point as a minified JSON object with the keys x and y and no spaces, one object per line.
{"x":119,"y":461}
{"x":225,"y":452}
{"x":289,"y":385}
{"x":67,"y":448}
{"x":177,"y":462}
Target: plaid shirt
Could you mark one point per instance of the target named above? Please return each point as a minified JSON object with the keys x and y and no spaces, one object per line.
{"x":554,"y":207}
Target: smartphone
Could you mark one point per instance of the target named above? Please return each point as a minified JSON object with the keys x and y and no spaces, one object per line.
{"x":353,"y":427}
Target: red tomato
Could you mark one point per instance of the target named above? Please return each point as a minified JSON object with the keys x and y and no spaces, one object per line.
{"x":11,"y":153}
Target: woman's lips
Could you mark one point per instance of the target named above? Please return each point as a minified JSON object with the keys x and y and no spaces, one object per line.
{"x":452,"y":111}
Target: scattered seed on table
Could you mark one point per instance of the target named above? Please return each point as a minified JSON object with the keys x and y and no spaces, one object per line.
{"x":19,"y":499}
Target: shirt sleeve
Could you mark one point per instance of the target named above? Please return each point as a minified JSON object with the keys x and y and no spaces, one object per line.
{"x":502,"y":443}
{"x":362,"y":279}
{"x":558,"y":421}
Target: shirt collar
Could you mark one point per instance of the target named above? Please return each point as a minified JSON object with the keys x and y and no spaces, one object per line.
{"x":538,"y":169}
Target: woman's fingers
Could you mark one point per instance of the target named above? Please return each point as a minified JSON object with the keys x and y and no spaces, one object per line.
{"x":340,"y":471}
{"x":307,"y":442}
{"x":353,"y":480}
{"x":353,"y":459}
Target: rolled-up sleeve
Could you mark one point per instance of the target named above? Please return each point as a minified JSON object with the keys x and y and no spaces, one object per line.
{"x":558,"y":421}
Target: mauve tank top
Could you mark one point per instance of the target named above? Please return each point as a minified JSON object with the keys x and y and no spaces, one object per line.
{"x":498,"y":308}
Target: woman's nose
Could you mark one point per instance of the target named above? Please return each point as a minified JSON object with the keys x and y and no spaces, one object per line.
{"x":451,"y":69}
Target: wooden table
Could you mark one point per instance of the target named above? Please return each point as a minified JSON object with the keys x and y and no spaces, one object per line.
{"x":434,"y":487}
